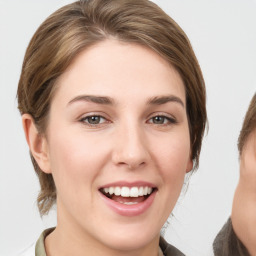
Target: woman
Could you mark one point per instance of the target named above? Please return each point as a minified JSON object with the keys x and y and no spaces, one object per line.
{"x":113,"y":108}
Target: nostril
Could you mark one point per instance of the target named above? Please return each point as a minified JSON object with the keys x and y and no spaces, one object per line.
{"x":132,"y":166}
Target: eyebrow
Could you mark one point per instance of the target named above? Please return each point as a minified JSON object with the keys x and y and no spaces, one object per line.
{"x":95,"y":99}
{"x":160,"y":100}
{"x":103,"y":100}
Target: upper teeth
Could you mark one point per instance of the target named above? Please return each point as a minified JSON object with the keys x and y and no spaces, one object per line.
{"x":128,"y":192}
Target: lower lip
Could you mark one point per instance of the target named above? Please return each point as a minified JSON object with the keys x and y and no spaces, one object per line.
{"x":129,"y":210}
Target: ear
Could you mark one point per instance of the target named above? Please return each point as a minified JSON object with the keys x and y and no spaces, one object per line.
{"x":37,"y":143}
{"x":189,"y":165}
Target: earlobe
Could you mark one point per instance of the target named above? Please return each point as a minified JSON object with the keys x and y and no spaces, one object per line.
{"x":37,"y":143}
{"x":189,"y":166}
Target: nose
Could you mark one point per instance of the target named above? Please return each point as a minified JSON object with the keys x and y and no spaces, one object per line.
{"x":131,"y":149}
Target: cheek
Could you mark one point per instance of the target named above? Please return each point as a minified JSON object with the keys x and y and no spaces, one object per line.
{"x":174,"y":155}
{"x":172,"y":159}
{"x":174,"y":170}
{"x":75,"y":163}
{"x":76,"y":160}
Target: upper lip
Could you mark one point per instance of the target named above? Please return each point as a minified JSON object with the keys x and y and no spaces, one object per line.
{"x":129,"y":184}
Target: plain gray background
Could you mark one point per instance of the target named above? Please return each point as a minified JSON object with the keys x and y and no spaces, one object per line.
{"x":223,"y":34}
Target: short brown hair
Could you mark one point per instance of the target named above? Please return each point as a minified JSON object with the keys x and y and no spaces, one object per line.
{"x":249,"y":124}
{"x":75,"y":27}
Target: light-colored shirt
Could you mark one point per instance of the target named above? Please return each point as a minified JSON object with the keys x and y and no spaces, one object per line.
{"x":40,"y":248}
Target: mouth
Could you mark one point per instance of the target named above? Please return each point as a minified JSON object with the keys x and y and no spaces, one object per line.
{"x":128,"y":195}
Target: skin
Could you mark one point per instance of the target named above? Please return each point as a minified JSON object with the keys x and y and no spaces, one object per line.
{"x":244,"y":203}
{"x":128,"y":144}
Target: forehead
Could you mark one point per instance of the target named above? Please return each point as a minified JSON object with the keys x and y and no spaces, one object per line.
{"x":120,"y":70}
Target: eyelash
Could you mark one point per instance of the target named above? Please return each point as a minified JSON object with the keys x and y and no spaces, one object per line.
{"x":167,"y":120}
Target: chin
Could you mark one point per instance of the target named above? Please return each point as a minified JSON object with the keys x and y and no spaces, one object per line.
{"x":130,"y":244}
{"x":129,"y":240}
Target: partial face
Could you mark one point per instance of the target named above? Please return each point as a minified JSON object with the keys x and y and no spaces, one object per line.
{"x":118,"y":144}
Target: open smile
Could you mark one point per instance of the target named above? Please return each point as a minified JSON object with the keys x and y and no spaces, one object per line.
{"x":128,"y":200}
{"x":126,"y":195}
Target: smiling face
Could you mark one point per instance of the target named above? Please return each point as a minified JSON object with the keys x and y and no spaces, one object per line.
{"x":117,"y":145}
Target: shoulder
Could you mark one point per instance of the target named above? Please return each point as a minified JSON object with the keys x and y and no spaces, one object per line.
{"x":227,"y":243}
{"x":37,"y":248}
{"x":168,"y":249}
{"x":30,"y":251}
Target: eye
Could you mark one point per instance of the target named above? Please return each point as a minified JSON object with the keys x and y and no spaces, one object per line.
{"x":162,"y":120}
{"x":93,"y":120}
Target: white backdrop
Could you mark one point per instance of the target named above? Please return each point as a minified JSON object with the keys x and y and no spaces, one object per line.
{"x":223,"y":34}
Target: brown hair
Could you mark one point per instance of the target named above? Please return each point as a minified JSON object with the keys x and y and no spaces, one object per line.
{"x":249,"y":124}
{"x":74,"y":27}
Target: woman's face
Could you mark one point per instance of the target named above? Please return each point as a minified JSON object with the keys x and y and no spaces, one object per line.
{"x":118,"y":125}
